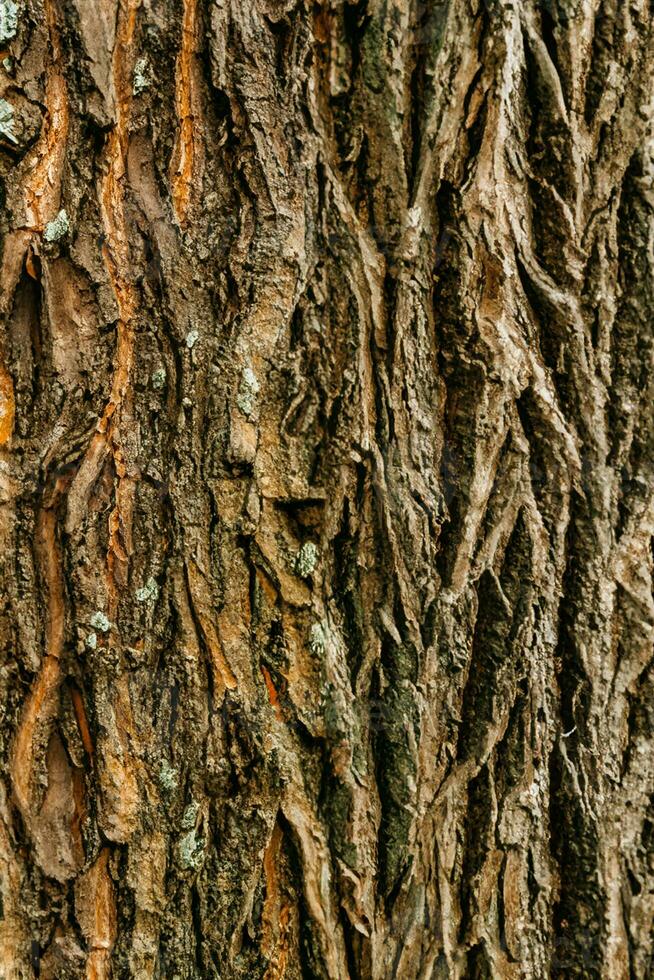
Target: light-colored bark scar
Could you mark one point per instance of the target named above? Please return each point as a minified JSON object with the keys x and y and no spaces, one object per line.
{"x":201,"y":601}
{"x":185,"y":153}
{"x":43,"y":186}
{"x":120,"y":772}
{"x":95,"y":908}
{"x":43,"y":182}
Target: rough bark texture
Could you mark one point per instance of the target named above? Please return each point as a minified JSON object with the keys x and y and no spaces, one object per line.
{"x":327,"y":459}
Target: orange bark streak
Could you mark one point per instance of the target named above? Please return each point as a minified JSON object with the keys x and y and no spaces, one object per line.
{"x":7,"y":406}
{"x":49,"y":554}
{"x":185,"y":96}
{"x":272,"y":693}
{"x":82,"y":720}
{"x":41,"y":706}
{"x":38,"y":709}
{"x":117,"y":261}
{"x":276,"y":917}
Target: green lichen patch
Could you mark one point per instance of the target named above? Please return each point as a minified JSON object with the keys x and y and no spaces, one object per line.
{"x":91,"y":641}
{"x":158,"y":378}
{"x":306,"y":559}
{"x":149,"y":592}
{"x":100,"y":622}
{"x":191,"y":845}
{"x":58,"y":228}
{"x":247,"y":393}
{"x":168,"y":776}
{"x":317,"y":639}
{"x":7,"y":121}
{"x":191,"y":850}
{"x":141,"y":76}
{"x":192,"y":338}
{"x":8,"y":20}
{"x":190,"y":815}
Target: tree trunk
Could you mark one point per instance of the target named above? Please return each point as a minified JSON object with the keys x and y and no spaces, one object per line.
{"x":327,"y":468}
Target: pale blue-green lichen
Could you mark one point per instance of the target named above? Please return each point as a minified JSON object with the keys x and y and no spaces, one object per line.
{"x":141,"y":76}
{"x":192,"y":338}
{"x":8,"y":64}
{"x":306,"y":559}
{"x":7,"y":121}
{"x":8,"y":20}
{"x":149,"y":592}
{"x":100,"y":622}
{"x":57,"y":228}
{"x":247,"y":392}
{"x":91,"y":641}
{"x":191,"y":845}
{"x":159,"y":378}
{"x":168,"y":776}
{"x":317,"y":639}
{"x":191,"y":850}
{"x":190,"y":815}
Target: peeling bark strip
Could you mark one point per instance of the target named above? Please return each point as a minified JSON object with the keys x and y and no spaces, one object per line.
{"x":42,"y":184}
{"x":186,"y":102}
{"x":327,"y":489}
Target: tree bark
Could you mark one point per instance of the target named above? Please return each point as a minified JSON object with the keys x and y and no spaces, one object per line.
{"x":326,"y":489}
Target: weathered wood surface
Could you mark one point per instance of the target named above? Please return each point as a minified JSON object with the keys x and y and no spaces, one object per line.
{"x":326,"y":489}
